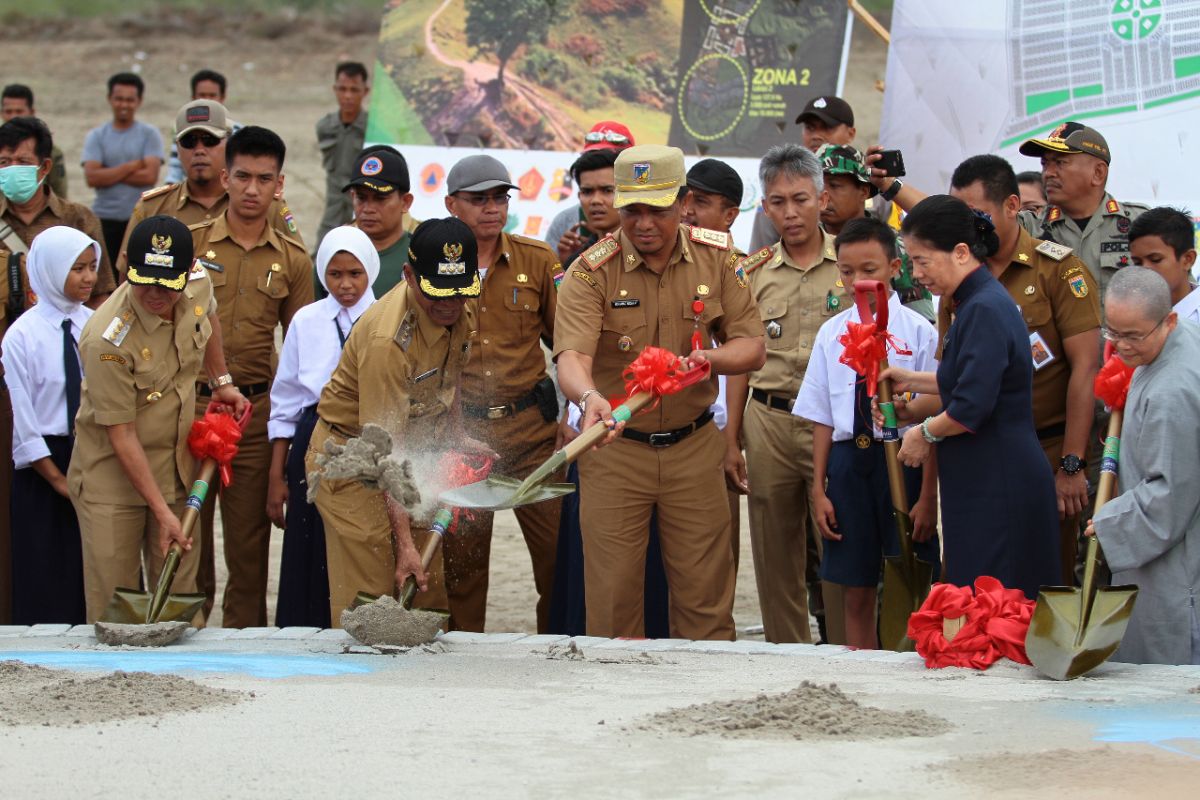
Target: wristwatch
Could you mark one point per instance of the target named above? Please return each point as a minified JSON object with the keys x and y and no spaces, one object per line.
{"x":890,"y":193}
{"x":583,"y":399}
{"x":219,"y":381}
{"x":1072,"y":464}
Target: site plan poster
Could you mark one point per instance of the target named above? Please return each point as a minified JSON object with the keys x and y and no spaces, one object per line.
{"x":525,"y":79}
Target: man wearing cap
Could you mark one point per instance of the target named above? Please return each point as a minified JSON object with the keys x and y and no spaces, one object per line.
{"x":203,"y":129}
{"x":401,"y":368}
{"x":379,"y":189}
{"x":797,"y":288}
{"x":142,"y":352}
{"x":1081,"y":214}
{"x":655,"y":283}
{"x":508,"y":401}
{"x":260,"y":278}
{"x":564,"y":231}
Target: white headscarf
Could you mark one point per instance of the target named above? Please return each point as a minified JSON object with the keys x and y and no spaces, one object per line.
{"x":50,"y":259}
{"x":352,"y":241}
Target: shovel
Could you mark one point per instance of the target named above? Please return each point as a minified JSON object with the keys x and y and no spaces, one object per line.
{"x":135,"y":607}
{"x":437,"y":529}
{"x":498,"y":492}
{"x":906,"y":578}
{"x":1075,"y":629}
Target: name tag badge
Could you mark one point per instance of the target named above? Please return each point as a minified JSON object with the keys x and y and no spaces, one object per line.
{"x":1042,"y":354}
{"x":627,"y":303}
{"x":424,"y":375}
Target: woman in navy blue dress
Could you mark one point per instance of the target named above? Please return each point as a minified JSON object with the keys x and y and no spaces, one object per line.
{"x":999,"y":513}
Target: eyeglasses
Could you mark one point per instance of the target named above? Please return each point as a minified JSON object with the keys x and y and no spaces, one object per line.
{"x":482,"y":200}
{"x":612,"y":137}
{"x":1130,"y":337}
{"x":189,"y":140}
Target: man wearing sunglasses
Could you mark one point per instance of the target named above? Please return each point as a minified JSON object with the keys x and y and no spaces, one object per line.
{"x":508,"y":401}
{"x":203,"y":129}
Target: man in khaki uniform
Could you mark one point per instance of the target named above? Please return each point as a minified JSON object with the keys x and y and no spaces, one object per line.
{"x":1060,"y":302}
{"x":400,"y":369}
{"x":797,"y":288}
{"x":131,"y":468}
{"x":627,"y":291}
{"x":260,"y":278}
{"x":203,"y":129}
{"x":508,"y":401}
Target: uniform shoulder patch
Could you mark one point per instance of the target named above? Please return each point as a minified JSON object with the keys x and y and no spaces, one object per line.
{"x":197,"y":270}
{"x":288,"y":218}
{"x":586,"y":278}
{"x":158,"y":190}
{"x":118,"y":329}
{"x":1112,"y":206}
{"x":1054,"y":250}
{"x":600,"y":253}
{"x":717,"y":239}
{"x":113,"y":357}
{"x":756,"y":260}
{"x":1053,"y":214}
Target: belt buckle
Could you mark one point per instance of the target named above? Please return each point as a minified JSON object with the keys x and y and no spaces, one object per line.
{"x":662,"y":439}
{"x":497,"y":412}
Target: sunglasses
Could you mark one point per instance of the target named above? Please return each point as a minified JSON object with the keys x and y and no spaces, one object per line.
{"x":612,"y":137}
{"x":189,"y":140}
{"x":482,"y":200}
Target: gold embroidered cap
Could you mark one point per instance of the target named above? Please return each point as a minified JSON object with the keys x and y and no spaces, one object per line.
{"x":160,"y":253}
{"x":650,"y":174}
{"x":445,"y":258}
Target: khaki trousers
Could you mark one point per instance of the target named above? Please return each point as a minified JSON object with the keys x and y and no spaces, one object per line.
{"x":359,"y":544}
{"x":620,"y":485}
{"x":246,"y":528}
{"x":779,"y":466}
{"x":523,"y":440}
{"x":116,"y":541}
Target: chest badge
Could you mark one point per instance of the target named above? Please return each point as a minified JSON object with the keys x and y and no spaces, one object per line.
{"x":210,"y":254}
{"x":774,"y":329}
{"x":198,"y":311}
{"x":623,"y":292}
{"x":1030,"y":290}
{"x":522,"y":278}
{"x":146,"y":354}
{"x":154,"y":397}
{"x":1123,"y":224}
{"x":862,"y":441}
{"x":625,"y":344}
{"x":703,"y":290}
{"x":832,"y":302}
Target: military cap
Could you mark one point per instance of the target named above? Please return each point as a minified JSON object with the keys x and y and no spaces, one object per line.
{"x":1069,"y":137}
{"x":843,"y":159}
{"x":445,"y":258}
{"x":160,"y":253}
{"x":650,"y":174}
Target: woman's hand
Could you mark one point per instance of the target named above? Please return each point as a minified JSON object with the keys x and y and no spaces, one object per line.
{"x":914,"y":450}
{"x":924,"y":518}
{"x":277,"y":497}
{"x":899,"y":405}
{"x":822,"y":509}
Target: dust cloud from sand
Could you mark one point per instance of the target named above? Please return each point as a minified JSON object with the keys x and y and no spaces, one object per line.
{"x":808,"y":712}
{"x":34,"y":695}
{"x":367,"y":458}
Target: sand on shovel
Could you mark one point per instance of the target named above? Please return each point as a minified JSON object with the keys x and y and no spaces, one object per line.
{"x":34,"y":695}
{"x":367,"y":458}
{"x":151,"y":634}
{"x":386,"y":621}
{"x":808,"y":712}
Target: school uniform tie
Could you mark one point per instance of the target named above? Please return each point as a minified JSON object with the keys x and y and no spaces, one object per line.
{"x":72,"y":374}
{"x":864,"y":433}
{"x":342,"y":316}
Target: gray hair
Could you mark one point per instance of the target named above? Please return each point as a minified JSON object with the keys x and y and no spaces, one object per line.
{"x":1142,"y":288}
{"x":790,"y":159}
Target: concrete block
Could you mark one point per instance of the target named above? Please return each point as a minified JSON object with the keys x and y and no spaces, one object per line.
{"x":294,"y":633}
{"x":213,"y":634}
{"x":864,"y":655}
{"x":48,"y":630}
{"x":13,"y":630}
{"x":903,"y":658}
{"x":588,"y":641}
{"x":336,"y":635}
{"x":466,"y":637}
{"x":253,"y":633}
{"x":544,"y":639}
{"x":742,"y":646}
{"x":797,"y":649}
{"x":831,"y":649}
{"x":82,"y":631}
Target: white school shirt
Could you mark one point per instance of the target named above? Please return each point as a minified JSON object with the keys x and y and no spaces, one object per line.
{"x":1189,"y":306}
{"x":827,"y":392}
{"x":299,"y":380}
{"x":33,"y":370}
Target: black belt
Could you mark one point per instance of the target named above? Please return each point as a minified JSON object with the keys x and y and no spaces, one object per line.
{"x":773,"y":401}
{"x":247,"y":391}
{"x":501,"y":411}
{"x":1052,"y":431}
{"x":668,"y":438}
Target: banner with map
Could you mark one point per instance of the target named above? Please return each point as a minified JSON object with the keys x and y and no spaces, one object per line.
{"x":525,"y":79}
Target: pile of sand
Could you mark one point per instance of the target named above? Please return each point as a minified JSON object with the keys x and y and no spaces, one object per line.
{"x":808,"y":712}
{"x":367,"y":458}
{"x":154,"y":634}
{"x":33,"y":695}
{"x":387,"y":622}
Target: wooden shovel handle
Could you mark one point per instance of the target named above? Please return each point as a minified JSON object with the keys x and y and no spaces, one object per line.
{"x":592,"y":436}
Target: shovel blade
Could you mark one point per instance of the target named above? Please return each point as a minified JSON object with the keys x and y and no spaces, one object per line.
{"x":1062,"y":644}
{"x":132,"y":607}
{"x":498,"y":492}
{"x":904,"y":590}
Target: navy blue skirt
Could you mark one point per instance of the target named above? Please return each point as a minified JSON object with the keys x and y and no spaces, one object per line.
{"x":303,"y":572}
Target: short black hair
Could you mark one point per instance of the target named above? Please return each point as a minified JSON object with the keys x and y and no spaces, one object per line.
{"x":1171,"y":225}
{"x":1032,"y":176}
{"x":253,"y":140}
{"x":997,"y":176}
{"x":127,"y":79}
{"x":209,"y":75}
{"x":593,"y":159}
{"x":18,"y":129}
{"x":868,"y":229}
{"x":18,"y":91}
{"x":351,"y":69}
{"x":944,"y":222}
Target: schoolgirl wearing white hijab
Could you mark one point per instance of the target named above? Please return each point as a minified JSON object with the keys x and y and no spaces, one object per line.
{"x":43,"y":373}
{"x":347,"y":265}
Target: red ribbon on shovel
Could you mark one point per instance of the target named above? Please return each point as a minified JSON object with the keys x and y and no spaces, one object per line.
{"x":867,"y":343}
{"x":1112,"y":381}
{"x":216,"y":436}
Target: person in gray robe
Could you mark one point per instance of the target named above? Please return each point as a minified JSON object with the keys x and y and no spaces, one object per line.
{"x":1150,"y":533}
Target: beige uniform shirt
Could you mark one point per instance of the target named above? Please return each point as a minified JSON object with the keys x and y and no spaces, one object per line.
{"x":256,"y":289}
{"x":174,"y":201}
{"x":612,"y":306}
{"x":515,"y":310}
{"x":793,"y":300}
{"x":399,"y":369}
{"x":140,"y":368}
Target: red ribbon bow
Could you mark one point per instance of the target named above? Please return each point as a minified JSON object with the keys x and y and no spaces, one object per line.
{"x":460,"y":469}
{"x":997,"y":620}
{"x":216,"y":436}
{"x":1112,"y":382}
{"x":865,"y":346}
{"x":659,"y":372}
